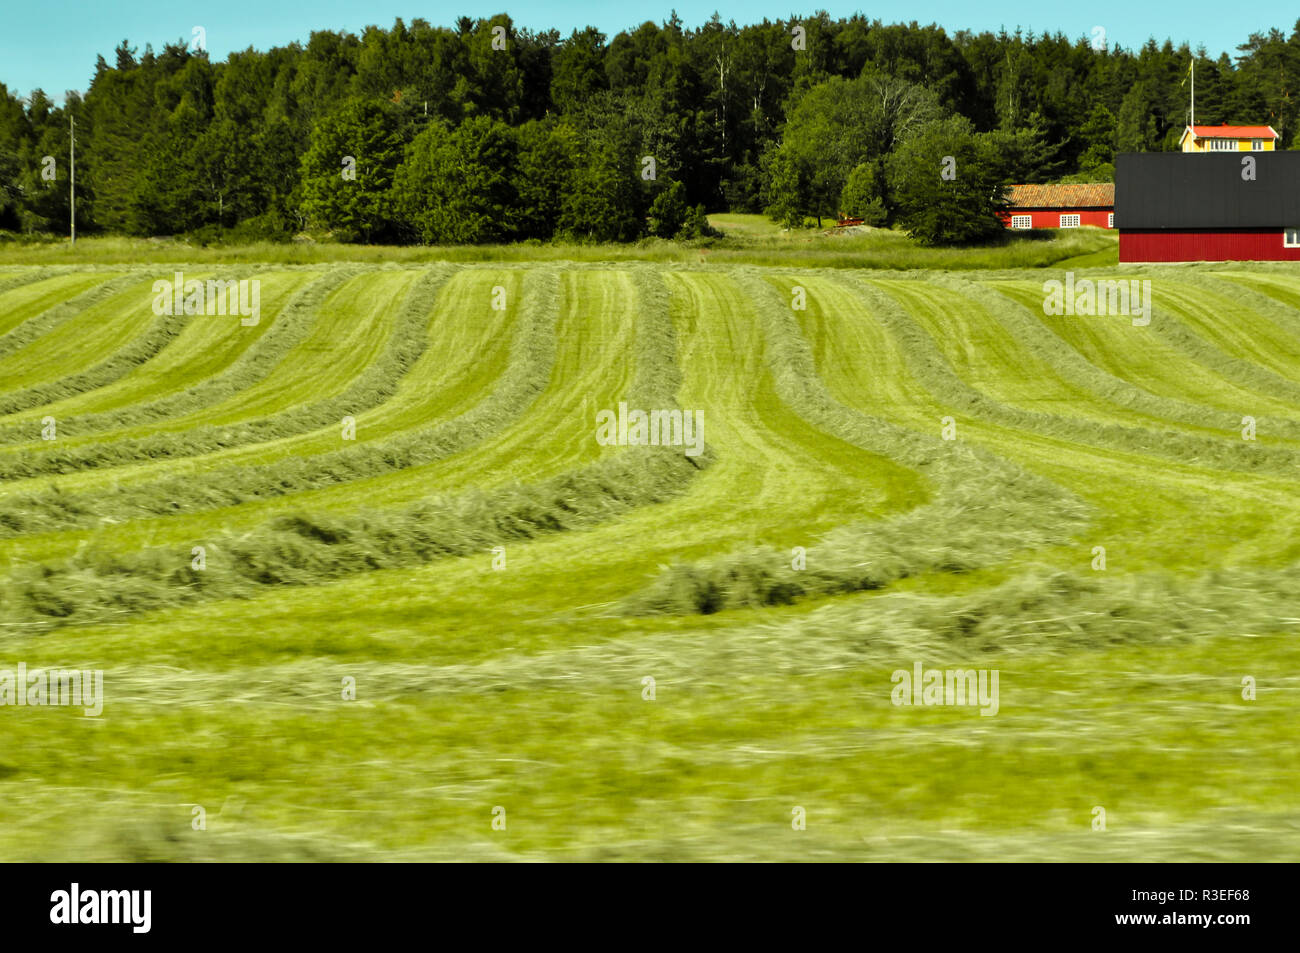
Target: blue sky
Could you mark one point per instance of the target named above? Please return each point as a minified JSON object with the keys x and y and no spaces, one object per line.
{"x":52,"y":43}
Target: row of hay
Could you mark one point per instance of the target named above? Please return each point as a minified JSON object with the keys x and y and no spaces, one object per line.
{"x":253,"y":365}
{"x":932,"y":369}
{"x":1246,"y":374}
{"x":1043,"y":606}
{"x":51,"y":318}
{"x":162,"y":332}
{"x":1258,"y":301}
{"x":375,"y":386}
{"x":1076,"y":369}
{"x":530,"y":365}
{"x":11,"y":278}
{"x":986,"y":508}
{"x":310,"y":549}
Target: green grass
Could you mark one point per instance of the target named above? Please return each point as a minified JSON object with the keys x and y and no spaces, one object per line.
{"x":746,"y":239}
{"x":521,"y":687}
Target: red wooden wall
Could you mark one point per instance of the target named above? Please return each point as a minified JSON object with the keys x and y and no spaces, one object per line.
{"x":1214,"y":245}
{"x":1051,"y":218}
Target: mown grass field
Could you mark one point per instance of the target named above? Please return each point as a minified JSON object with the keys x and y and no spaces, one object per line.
{"x":520,"y":685}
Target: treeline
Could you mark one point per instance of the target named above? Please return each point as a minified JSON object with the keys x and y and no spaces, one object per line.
{"x":483,"y":133}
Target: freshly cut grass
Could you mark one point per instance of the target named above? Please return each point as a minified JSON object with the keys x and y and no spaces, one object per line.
{"x":265,"y":345}
{"x":524,"y":682}
{"x":304,"y":549}
{"x":203,"y":349}
{"x":377,"y":383}
{"x":161,"y":333}
{"x":50,"y":306}
{"x":17,"y":277}
{"x":852,"y":559}
{"x":1156,"y":375}
{"x":928,"y":320}
{"x":25,"y":299}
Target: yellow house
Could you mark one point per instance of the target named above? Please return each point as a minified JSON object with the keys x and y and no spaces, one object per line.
{"x":1228,"y":139}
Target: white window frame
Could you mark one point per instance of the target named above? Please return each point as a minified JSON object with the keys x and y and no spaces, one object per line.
{"x":1110,"y":219}
{"x":1066,"y":220}
{"x":1219,"y":144}
{"x":1291,"y":238}
{"x":1257,"y":145}
{"x":1022,"y":221}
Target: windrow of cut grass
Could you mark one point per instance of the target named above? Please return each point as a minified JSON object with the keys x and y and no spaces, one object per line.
{"x":377,"y":383}
{"x":1261,"y":329}
{"x":1041,"y":612}
{"x":1246,"y":351}
{"x":205,"y":347}
{"x":212,"y":487}
{"x":593,"y":362}
{"x":892,"y":551}
{"x":465,"y":351}
{"x":50,"y":386}
{"x":47,"y":305}
{"x":254,"y":352}
{"x":762,"y":448}
{"x":43,"y":291}
{"x":903,"y":309}
{"x":1274,"y":294}
{"x":986,"y":507}
{"x":17,"y":277}
{"x":307,"y":549}
{"x":524,"y":687}
{"x":1110,"y":357}
{"x":1153,"y":508}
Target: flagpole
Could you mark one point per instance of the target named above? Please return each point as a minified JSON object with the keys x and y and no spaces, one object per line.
{"x":1193,"y":91}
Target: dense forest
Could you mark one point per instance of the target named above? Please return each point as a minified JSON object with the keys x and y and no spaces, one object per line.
{"x":484,"y":133}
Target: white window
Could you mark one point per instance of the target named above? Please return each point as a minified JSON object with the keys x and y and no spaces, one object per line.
{"x":1022,"y":221}
{"x":1069,"y":221}
{"x":1291,"y":238}
{"x":1257,"y":145}
{"x":1221,"y":145}
{"x":1110,"y":219}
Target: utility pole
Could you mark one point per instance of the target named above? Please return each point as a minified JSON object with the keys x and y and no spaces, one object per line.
{"x":72,"y":181}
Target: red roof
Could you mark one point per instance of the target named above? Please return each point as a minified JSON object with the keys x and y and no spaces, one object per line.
{"x":1077,"y":195}
{"x":1233,"y":132}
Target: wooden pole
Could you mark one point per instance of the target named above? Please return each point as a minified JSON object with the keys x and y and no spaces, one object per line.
{"x":72,"y":181}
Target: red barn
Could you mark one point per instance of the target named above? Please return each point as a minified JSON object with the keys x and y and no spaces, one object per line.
{"x":1178,"y":206}
{"x":1060,"y":206}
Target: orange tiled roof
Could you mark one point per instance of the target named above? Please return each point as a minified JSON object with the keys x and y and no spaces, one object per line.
{"x":1082,"y":195}
{"x":1233,"y":132}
